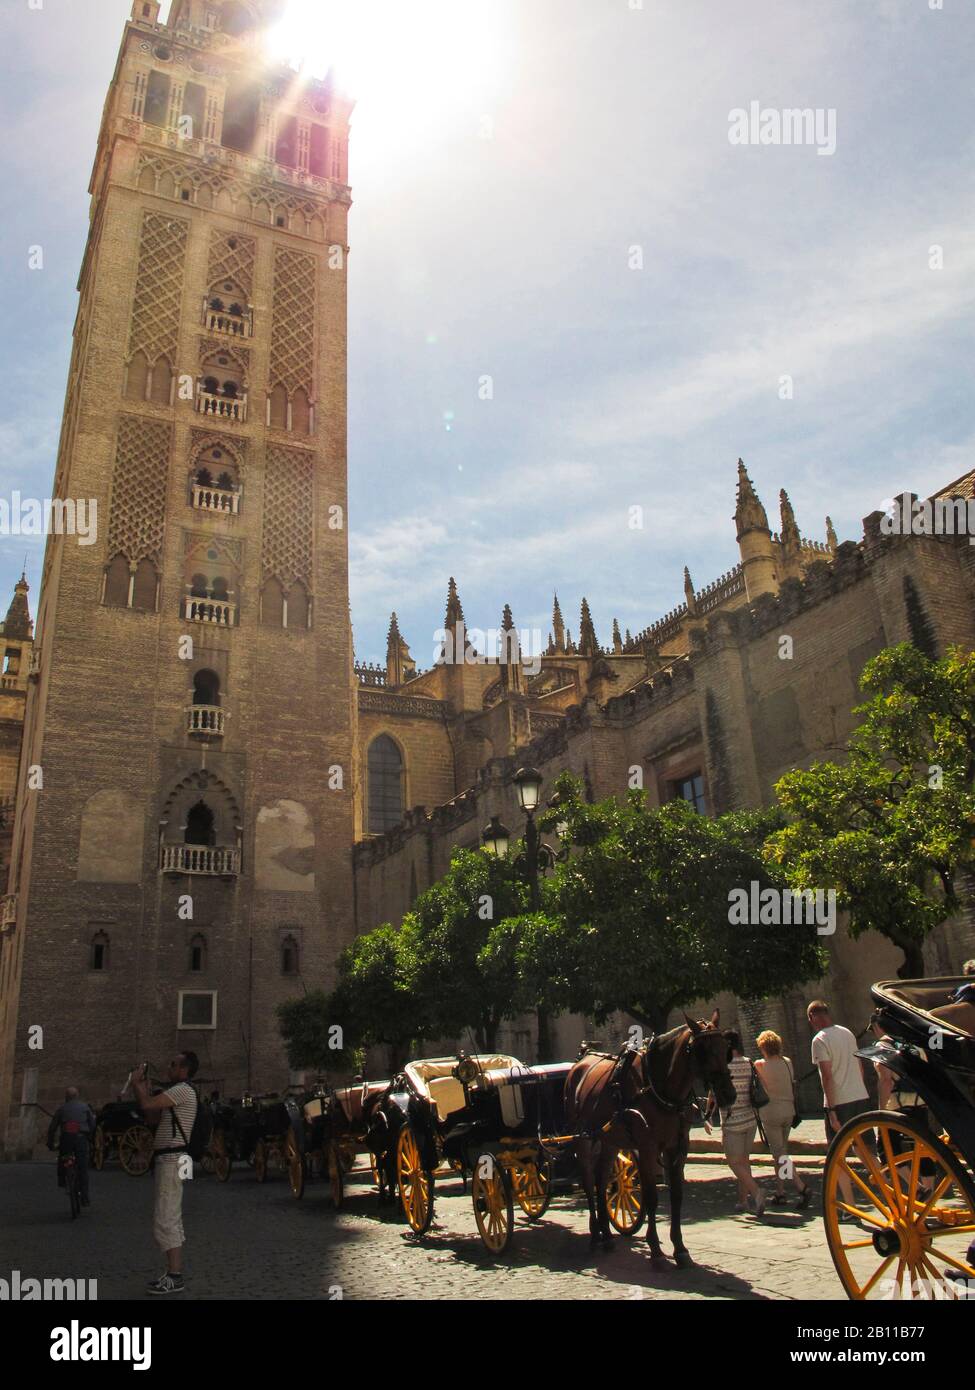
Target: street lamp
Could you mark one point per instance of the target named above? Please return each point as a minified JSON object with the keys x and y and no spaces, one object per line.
{"x":528,"y":784}
{"x":495,"y":837}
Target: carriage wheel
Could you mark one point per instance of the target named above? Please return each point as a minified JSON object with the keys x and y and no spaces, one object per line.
{"x":532,"y":1183}
{"x":260,"y":1161}
{"x":135,"y":1150}
{"x":222,"y":1162}
{"x":296,"y":1165}
{"x":913,"y":1208}
{"x":624,"y":1194}
{"x":336,"y":1175}
{"x":98,"y":1149}
{"x":415,"y":1182}
{"x":493,"y":1206}
{"x":374,"y":1169}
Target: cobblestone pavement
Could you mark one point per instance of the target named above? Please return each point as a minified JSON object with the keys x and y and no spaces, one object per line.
{"x":250,"y":1241}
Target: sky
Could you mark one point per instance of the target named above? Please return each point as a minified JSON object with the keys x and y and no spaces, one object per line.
{"x":571,"y":295}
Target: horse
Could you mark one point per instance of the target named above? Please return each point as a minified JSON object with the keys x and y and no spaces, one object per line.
{"x":638,"y":1100}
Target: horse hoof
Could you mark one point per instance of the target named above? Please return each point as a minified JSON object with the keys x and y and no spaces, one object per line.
{"x":659,"y":1264}
{"x":683,"y":1260}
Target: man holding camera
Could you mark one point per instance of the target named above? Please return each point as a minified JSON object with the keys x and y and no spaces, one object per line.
{"x":173,"y":1112}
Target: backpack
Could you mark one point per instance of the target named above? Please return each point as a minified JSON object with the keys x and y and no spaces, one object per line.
{"x":202,"y":1131}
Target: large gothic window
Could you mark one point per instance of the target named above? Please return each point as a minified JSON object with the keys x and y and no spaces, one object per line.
{"x":385,"y":785}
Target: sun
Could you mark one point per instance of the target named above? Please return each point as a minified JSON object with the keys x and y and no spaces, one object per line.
{"x":411,"y":57}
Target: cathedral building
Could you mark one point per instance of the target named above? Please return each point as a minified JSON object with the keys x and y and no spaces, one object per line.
{"x":212,"y":798}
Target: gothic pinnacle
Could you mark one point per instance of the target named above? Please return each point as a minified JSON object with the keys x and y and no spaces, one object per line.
{"x":689,"y":592}
{"x":455,"y":611}
{"x":749,"y":512}
{"x":831,"y":539}
{"x":790,"y":531}
{"x":617,"y":639}
{"x":558,"y":626}
{"x":588,"y":646}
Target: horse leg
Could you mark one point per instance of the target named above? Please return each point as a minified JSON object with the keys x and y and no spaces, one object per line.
{"x":645,"y":1152}
{"x":675,"y":1179}
{"x":604,"y":1162}
{"x":585,"y":1156}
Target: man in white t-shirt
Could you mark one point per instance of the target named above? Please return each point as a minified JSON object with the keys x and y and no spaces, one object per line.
{"x":173,"y":1112}
{"x":841,"y":1073}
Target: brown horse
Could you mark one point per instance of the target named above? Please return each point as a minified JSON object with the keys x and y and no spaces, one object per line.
{"x":639,"y":1101}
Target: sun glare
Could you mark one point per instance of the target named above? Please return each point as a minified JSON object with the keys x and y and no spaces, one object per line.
{"x":406,"y":57}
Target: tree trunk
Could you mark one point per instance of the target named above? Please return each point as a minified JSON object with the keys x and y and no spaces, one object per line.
{"x":913,"y":966}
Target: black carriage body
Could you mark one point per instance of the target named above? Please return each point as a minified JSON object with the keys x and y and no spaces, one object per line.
{"x":118,"y":1116}
{"x":934,"y":1058}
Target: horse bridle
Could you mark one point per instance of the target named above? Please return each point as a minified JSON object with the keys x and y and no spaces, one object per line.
{"x":650,"y":1089}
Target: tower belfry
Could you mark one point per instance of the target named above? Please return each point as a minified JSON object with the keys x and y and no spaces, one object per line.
{"x":180,"y":853}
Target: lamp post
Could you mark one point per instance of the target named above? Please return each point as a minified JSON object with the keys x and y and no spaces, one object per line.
{"x":536,"y":858}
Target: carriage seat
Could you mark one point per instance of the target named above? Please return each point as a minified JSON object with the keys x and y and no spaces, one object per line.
{"x":934,"y":1000}
{"x":434,"y":1079}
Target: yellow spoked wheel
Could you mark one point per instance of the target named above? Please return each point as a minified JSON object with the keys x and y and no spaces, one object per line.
{"x":493,"y":1205}
{"x":222,"y":1161}
{"x":624,"y":1194}
{"x":532,"y":1186}
{"x":135,"y":1150}
{"x":415,"y":1182}
{"x":98,"y":1149}
{"x":336,"y":1175}
{"x":374,"y":1169}
{"x":260,"y":1161}
{"x":295,"y":1161}
{"x":909,"y":1209}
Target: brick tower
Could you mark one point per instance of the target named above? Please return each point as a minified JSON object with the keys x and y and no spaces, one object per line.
{"x":181,"y":851}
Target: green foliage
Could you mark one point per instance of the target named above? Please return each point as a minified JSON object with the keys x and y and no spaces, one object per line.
{"x":304,"y":1024}
{"x":644,"y":904}
{"x":891,"y":827}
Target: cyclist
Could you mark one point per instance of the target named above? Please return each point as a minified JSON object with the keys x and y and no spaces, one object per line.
{"x":76,"y":1121}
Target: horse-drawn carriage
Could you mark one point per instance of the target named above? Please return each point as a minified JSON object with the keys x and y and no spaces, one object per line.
{"x":120,"y":1127}
{"x":261,"y":1130}
{"x":899,"y":1185}
{"x":489,"y":1116}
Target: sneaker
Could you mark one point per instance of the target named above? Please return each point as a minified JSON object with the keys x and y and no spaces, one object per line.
{"x":166,"y":1283}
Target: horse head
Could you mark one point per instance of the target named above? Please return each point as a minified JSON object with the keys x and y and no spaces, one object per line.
{"x":709,"y":1059}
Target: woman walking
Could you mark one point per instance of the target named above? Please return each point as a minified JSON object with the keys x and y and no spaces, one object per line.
{"x":778,"y":1078}
{"x":738,"y":1127}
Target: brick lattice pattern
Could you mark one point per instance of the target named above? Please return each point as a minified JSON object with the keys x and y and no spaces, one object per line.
{"x":159,"y":287}
{"x":138,"y":517}
{"x":287,"y":543}
{"x":293,"y":330}
{"x":232,"y":262}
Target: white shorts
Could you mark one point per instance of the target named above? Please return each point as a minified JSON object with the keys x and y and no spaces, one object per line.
{"x":167,"y":1216}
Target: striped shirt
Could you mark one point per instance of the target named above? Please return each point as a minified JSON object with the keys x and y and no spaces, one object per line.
{"x":168,"y":1136}
{"x":741,"y":1115}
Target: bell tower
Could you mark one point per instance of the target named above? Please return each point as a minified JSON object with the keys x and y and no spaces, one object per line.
{"x":181,"y":848}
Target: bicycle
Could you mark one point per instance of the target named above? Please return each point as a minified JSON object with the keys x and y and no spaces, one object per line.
{"x":68,"y":1166}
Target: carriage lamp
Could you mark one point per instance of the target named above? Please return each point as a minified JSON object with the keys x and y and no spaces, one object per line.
{"x":496,"y":837}
{"x":528,"y":784}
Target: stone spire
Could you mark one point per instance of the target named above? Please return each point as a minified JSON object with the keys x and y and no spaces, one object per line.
{"x":789,"y":538}
{"x":17,"y":623}
{"x":455,"y":611}
{"x":588,"y":646}
{"x":617,"y":639}
{"x":754,"y":540}
{"x":400,"y":665}
{"x":510,"y":656}
{"x":831,"y":540}
{"x":689,"y":592}
{"x":455,"y":644}
{"x":558,"y":627}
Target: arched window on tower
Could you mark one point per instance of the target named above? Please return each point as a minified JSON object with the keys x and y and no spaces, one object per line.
{"x":144,"y":588}
{"x":297,"y":606}
{"x":98,"y":954}
{"x":198,"y":954}
{"x":272,"y":604}
{"x":206,"y":688}
{"x":200,"y":828}
{"x":162,"y":382}
{"x":117,"y":583}
{"x":278,"y":408}
{"x":300,"y":412}
{"x":290,"y":957}
{"x":385,"y":785}
{"x":137,"y":377}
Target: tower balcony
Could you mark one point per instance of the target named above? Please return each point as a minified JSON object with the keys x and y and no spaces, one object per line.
{"x":216,"y":612}
{"x":234,"y":325}
{"x":205,"y":721}
{"x":215,"y":861}
{"x":225,"y":501}
{"x":221,"y":407}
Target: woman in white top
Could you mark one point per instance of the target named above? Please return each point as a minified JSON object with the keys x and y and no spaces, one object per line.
{"x":778,"y":1079}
